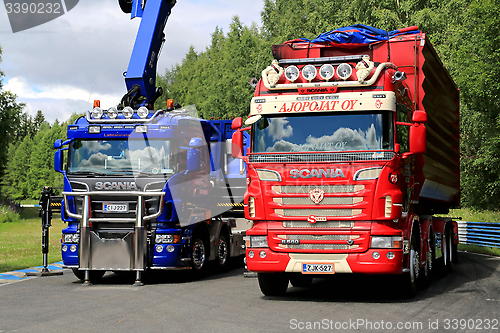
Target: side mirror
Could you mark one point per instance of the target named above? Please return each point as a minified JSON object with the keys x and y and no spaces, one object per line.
{"x":193,"y":160}
{"x":419,"y":117}
{"x":58,"y":160}
{"x":58,"y":144}
{"x":195,"y":143}
{"x":237,"y":144}
{"x":418,"y":139}
{"x":237,"y":123}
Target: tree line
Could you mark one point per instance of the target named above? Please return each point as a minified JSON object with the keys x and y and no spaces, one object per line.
{"x":464,"y":33}
{"x":216,"y":80}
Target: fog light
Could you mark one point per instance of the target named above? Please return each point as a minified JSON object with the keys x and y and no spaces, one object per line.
{"x":97,"y":113}
{"x":65,"y":248}
{"x":376,"y":255}
{"x":170,"y":248}
{"x":112,"y":112}
{"x":159,"y":248}
{"x":143,"y":112}
{"x":390,"y":255}
{"x":262,"y":254}
{"x":250,"y":254}
{"x":128,"y":112}
{"x":72,"y":248}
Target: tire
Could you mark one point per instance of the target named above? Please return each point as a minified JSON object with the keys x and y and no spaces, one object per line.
{"x":447,"y":252}
{"x":427,"y":272}
{"x":222,"y":255}
{"x":199,"y":254}
{"x":94,"y":275}
{"x":301,"y":280}
{"x":273,"y":284}
{"x":410,"y":279}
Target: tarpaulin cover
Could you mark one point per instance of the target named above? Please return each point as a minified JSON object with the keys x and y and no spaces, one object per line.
{"x":357,"y":34}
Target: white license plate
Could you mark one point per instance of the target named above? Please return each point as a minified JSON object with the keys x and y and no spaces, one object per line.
{"x":115,"y":207}
{"x":318,"y":268}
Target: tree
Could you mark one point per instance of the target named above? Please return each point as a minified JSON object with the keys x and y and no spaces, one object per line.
{"x":10,"y":112}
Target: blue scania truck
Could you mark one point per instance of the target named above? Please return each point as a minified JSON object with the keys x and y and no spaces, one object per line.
{"x":148,"y":189}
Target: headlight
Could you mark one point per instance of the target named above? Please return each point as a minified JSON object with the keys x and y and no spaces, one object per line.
{"x":128,"y":112}
{"x":97,"y":113}
{"x":167,"y":239}
{"x":387,"y":242}
{"x":112,"y":113}
{"x":71,"y":238}
{"x":256,"y":241}
{"x":344,"y":71}
{"x":292,"y":73}
{"x":143,"y":112}
{"x":309,"y":72}
{"x":326,"y":72}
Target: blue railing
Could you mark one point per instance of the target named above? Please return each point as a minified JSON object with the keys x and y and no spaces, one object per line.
{"x":479,"y":233}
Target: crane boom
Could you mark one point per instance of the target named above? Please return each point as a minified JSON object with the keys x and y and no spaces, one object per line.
{"x":140,"y":77}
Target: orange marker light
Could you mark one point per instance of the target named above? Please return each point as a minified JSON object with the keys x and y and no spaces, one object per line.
{"x":170,"y":103}
{"x":97,"y":103}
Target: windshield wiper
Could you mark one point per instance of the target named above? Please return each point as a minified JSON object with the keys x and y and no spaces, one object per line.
{"x":88,"y":173}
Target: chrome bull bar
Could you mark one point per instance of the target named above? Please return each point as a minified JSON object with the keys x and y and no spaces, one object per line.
{"x":138,"y":250}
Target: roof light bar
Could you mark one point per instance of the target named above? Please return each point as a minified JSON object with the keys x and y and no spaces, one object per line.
{"x":323,"y":60}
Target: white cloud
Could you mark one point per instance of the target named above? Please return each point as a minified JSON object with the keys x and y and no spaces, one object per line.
{"x":58,"y":65}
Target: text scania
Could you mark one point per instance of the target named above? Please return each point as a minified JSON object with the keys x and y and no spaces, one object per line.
{"x":302,"y":106}
{"x":115,"y":186}
{"x":318,"y":173}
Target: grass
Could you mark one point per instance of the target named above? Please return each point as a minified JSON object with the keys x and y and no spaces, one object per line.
{"x":21,"y":241}
{"x":470,"y":215}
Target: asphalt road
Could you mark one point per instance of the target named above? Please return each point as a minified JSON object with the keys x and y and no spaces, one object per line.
{"x":467,"y":300}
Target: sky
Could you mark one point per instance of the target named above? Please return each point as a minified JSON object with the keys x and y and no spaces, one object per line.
{"x":60,"y":67}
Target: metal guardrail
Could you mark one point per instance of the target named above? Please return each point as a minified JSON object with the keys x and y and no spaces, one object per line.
{"x":479,"y":233}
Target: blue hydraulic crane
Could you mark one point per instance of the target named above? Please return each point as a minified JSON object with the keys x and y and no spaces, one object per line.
{"x":140,"y":77}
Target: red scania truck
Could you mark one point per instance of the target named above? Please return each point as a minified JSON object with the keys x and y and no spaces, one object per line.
{"x":343,"y":175}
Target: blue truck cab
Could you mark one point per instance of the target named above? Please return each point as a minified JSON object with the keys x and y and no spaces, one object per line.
{"x":148,"y":190}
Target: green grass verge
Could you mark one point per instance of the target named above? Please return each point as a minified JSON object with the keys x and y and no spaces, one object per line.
{"x":492,"y":251}
{"x":21,"y":241}
{"x":470,"y":215}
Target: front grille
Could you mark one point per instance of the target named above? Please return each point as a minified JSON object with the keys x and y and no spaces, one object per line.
{"x":318,"y":237}
{"x":321,"y":157}
{"x":318,"y":212}
{"x":326,"y":224}
{"x":324,"y":201}
{"x":305,"y":189}
{"x":319,"y":247}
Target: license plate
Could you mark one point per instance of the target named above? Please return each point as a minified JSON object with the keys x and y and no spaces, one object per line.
{"x":115,"y":207}
{"x":318,"y":268}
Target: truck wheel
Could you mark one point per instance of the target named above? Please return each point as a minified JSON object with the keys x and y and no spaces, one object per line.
{"x":94,"y":275}
{"x":448,"y":251}
{"x":410,"y":279}
{"x":427,"y":270}
{"x":222,"y":250}
{"x":301,"y":280}
{"x":273,"y":284}
{"x":198,"y":254}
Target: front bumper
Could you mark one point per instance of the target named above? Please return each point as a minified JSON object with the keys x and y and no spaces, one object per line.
{"x":363,"y":263}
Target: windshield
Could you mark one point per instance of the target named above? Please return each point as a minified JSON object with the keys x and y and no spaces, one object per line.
{"x":330,"y":132}
{"x":120,"y":157}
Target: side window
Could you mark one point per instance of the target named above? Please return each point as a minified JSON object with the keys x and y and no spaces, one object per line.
{"x":403,"y":132}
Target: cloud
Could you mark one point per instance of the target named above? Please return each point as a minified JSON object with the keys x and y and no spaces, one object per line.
{"x":88,"y":49}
